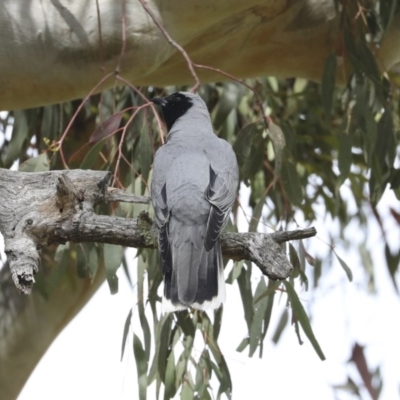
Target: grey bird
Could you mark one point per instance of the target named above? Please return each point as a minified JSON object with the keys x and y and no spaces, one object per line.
{"x":194,"y":185}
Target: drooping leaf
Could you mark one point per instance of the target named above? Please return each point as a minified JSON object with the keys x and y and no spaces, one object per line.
{"x":272,"y":286}
{"x":255,"y":218}
{"x":302,"y":317}
{"x":345,"y":267}
{"x":228,"y":101}
{"x":392,"y":261}
{"x":169,"y":382}
{"x":112,"y":260}
{"x":243,"y":344}
{"x":125,"y":333}
{"x":294,"y":260}
{"x":235,"y":272}
{"x":187,"y":392}
{"x":249,"y":149}
{"x":345,"y":155}
{"x":279,"y":142}
{"x":221,"y":369}
{"x":217,"y":321}
{"x":162,"y":338}
{"x":245,"y":292}
{"x":258,"y":318}
{"x":328,"y":85}
{"x":106,"y":129}
{"x":92,"y":155}
{"x":291,"y":182}
{"x":25,"y":123}
{"x":141,"y":364}
{"x":93,"y":262}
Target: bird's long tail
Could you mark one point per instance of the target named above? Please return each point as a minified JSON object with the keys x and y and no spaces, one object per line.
{"x":197,"y":276}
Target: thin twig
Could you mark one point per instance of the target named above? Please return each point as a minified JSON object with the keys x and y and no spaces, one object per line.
{"x":60,"y":142}
{"x":140,"y":94}
{"x":192,"y":66}
{"x":174,"y":44}
{"x":132,"y":117}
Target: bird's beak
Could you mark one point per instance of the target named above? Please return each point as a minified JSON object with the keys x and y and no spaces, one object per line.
{"x":160,"y":101}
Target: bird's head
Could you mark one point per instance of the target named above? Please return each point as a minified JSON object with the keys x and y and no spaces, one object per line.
{"x":178,"y":104}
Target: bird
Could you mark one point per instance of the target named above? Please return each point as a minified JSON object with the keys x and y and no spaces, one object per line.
{"x":194,"y":185}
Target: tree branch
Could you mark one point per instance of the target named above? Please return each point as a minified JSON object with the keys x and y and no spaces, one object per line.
{"x":39,"y":209}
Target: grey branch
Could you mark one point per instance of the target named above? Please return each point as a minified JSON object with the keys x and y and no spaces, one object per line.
{"x":39,"y":209}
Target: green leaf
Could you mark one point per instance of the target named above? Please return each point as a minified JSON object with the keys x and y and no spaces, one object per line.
{"x":146,"y":155}
{"x":93,"y":262}
{"x":302,"y":317}
{"x":146,"y":330}
{"x":36,"y":164}
{"x":81,"y":259}
{"x":187,"y":392}
{"x":24,"y":127}
{"x":141,"y":364}
{"x":92,"y":155}
{"x":203,"y":375}
{"x":217,"y":321}
{"x":112,"y":260}
{"x":249,"y":149}
{"x":185,"y":322}
{"x":345,"y":267}
{"x":162,"y":338}
{"x":291,"y":183}
{"x":235,"y":272}
{"x":294,"y":260}
{"x":258,"y":318}
{"x":328,"y":85}
{"x":222,"y":370}
{"x":279,"y":142}
{"x":257,"y":212}
{"x":170,"y":377}
{"x":345,"y":155}
{"x":228,"y":101}
{"x":281,"y":326}
{"x":125,"y":333}
{"x":243,"y":344}
{"x":272,"y":285}
{"x":245,"y":292}
{"x":392,"y":261}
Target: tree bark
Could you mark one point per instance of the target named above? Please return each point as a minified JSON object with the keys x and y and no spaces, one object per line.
{"x":43,"y":208}
{"x":54,"y":50}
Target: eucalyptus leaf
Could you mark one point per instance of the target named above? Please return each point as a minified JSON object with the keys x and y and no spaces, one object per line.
{"x":291,"y":183}
{"x":345,"y":267}
{"x":125,"y":333}
{"x":141,"y":363}
{"x":302,"y":317}
{"x":279,"y":142}
{"x":328,"y":84}
{"x":112,"y":255}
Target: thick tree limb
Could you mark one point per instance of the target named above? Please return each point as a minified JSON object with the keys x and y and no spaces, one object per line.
{"x":54,"y":50}
{"x":39,"y":209}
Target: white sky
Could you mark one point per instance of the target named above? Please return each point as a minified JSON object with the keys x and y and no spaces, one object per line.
{"x":84,"y":361}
